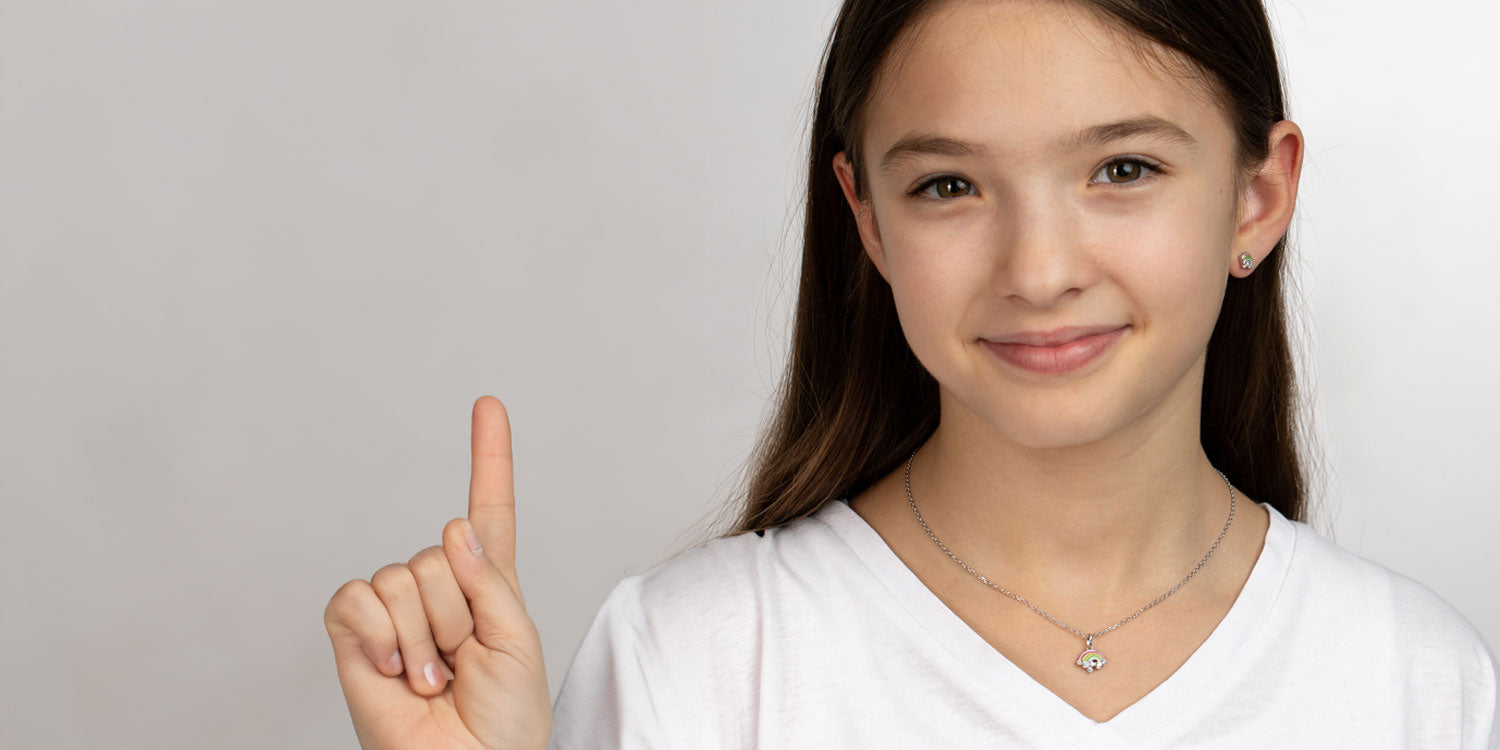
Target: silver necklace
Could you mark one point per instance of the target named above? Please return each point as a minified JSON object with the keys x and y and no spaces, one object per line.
{"x":1091,"y":659}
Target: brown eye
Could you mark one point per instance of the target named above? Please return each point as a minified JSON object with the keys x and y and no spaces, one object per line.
{"x":948,"y":187}
{"x":1123,"y":171}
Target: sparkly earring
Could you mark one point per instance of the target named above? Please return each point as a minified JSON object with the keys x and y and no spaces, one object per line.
{"x":1246,"y":261}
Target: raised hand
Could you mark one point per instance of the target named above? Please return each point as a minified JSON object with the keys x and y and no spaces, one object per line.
{"x":439,"y":652}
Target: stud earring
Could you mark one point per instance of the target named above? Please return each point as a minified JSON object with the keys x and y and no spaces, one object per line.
{"x":1246,"y":261}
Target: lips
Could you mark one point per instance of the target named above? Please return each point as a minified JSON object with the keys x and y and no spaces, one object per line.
{"x":1053,"y":337}
{"x":1078,"y":348}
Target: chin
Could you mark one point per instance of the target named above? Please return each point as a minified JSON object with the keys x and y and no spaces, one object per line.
{"x":1058,"y":420}
{"x":1042,"y":432}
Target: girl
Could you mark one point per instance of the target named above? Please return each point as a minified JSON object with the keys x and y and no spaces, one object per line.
{"x":1034,"y":479}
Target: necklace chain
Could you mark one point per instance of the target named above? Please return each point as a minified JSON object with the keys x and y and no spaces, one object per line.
{"x":1089,"y":637}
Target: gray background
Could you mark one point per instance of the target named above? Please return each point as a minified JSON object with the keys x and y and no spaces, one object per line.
{"x":259,"y":259}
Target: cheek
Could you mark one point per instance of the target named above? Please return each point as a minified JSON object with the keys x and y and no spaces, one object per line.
{"x":1173,"y":264}
{"x":933,"y":281}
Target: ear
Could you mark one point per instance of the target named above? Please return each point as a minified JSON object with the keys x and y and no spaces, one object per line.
{"x":864,"y":213}
{"x":1269,"y":198}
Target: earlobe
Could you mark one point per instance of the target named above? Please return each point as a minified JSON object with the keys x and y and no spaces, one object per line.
{"x":1269,"y":199}
{"x":864,"y":214}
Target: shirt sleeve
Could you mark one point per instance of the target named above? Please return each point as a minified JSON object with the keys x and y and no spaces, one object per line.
{"x":1451,"y":691}
{"x":1482,"y":714}
{"x":614,"y":694}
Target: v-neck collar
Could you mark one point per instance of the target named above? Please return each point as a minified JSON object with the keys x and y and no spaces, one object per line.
{"x":1147,"y":715}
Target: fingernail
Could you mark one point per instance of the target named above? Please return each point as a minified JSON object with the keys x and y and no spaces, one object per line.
{"x":446,"y":671}
{"x":432,"y":673}
{"x":396,"y":661}
{"x":473,"y":540}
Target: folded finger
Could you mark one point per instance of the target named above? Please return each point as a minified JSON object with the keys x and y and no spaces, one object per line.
{"x":397,"y":589}
{"x":448,"y":613}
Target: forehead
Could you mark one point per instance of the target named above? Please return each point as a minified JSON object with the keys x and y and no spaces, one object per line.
{"x":1021,"y":76}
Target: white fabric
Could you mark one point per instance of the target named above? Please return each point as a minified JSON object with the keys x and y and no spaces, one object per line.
{"x":816,"y":635}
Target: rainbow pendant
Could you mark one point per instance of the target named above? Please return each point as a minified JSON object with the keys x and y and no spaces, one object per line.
{"x":1090,"y":659}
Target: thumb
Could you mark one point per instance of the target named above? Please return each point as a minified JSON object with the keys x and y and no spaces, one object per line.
{"x":500,"y":680}
{"x":500,"y":619}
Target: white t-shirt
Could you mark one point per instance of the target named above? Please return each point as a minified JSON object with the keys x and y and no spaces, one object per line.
{"x":816,"y":635}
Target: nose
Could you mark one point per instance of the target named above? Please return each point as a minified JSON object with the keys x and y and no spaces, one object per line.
{"x":1041,"y":255}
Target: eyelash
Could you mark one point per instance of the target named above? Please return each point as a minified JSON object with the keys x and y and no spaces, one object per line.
{"x":1155,"y":168}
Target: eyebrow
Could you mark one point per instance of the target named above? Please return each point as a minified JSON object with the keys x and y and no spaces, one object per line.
{"x":917,"y":144}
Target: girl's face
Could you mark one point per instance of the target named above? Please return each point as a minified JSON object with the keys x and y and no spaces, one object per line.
{"x":1051,"y":216}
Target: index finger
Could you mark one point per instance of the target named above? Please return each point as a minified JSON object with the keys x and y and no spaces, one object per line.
{"x":492,"y":499}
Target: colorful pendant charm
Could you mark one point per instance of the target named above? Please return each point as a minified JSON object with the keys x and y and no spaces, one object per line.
{"x":1090,"y":659}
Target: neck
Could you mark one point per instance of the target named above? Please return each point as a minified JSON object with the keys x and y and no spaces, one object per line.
{"x":1089,"y":527}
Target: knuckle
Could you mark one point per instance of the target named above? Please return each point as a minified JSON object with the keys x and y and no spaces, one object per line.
{"x":343,"y":600}
{"x":429,"y":562}
{"x":350,"y":614}
{"x":393,"y":579}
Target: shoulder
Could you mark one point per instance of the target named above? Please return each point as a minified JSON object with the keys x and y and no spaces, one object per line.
{"x":729,"y":582}
{"x":1417,"y":657}
{"x":647,"y":673}
{"x":1405,"y":619}
{"x":696,"y":631}
{"x":1344,"y":577}
{"x":731,"y":588}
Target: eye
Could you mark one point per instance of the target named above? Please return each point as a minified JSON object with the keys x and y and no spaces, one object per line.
{"x":1126,"y":170}
{"x":949,"y":187}
{"x":1121,"y":171}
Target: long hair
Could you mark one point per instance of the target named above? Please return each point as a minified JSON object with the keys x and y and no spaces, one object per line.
{"x":854,"y":401}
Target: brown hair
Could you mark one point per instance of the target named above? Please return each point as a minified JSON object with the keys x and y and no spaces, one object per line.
{"x":855,"y":402}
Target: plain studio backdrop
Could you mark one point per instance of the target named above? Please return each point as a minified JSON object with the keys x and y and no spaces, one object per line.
{"x":260,"y":258}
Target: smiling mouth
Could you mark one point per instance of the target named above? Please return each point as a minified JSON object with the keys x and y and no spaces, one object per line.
{"x":1055,"y":336}
{"x":1071,"y":354}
